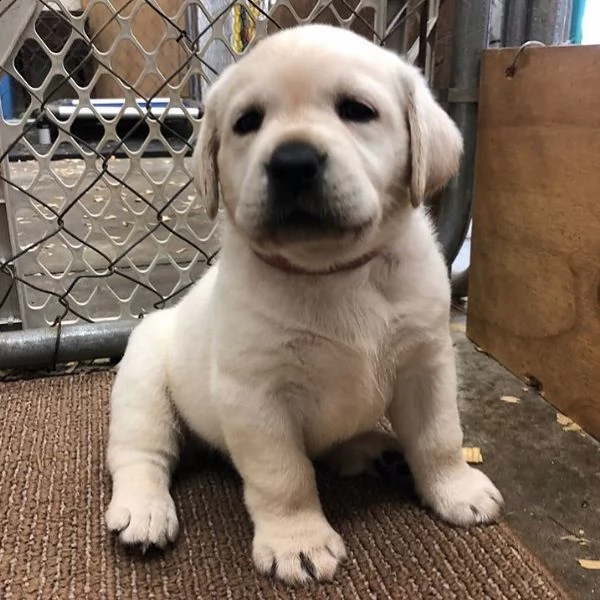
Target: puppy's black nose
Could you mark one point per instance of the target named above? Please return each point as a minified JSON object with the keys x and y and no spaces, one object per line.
{"x":295,"y":164}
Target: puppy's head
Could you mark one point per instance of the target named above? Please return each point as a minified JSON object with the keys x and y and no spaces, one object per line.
{"x":317,"y":139}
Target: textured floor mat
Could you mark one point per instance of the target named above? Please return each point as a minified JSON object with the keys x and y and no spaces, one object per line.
{"x":54,"y":490}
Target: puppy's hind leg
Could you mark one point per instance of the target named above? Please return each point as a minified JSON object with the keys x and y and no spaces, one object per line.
{"x":143,"y":444}
{"x":375,"y":453}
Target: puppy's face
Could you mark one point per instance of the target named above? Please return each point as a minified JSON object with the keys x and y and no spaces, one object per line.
{"x":316,"y":140}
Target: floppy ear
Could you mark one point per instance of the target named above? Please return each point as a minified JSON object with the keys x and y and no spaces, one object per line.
{"x":435,"y":141}
{"x":204,"y":160}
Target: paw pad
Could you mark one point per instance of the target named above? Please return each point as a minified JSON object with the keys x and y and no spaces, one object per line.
{"x":391,"y":465}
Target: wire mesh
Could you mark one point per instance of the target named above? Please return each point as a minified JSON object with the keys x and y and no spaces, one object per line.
{"x":100,"y":104}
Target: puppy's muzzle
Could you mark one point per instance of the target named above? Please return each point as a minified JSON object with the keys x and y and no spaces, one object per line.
{"x":297,"y":199}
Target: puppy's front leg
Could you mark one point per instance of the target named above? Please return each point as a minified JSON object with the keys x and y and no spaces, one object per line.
{"x":424,"y":415}
{"x":292,"y":538}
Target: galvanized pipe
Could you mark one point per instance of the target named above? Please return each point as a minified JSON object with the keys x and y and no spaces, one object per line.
{"x":471,"y":21}
{"x":191,"y":26}
{"x":50,"y":346}
{"x":515,"y":22}
{"x":460,"y":284}
{"x":549,"y":21}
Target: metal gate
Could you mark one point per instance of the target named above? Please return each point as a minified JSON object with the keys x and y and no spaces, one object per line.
{"x":101,"y":102}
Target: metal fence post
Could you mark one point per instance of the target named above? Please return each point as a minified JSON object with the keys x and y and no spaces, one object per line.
{"x":471,"y":20}
{"x":515,"y":22}
{"x":549,"y":21}
{"x":191,"y":25}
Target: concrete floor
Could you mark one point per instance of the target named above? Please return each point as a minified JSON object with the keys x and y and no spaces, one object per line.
{"x":550,"y":478}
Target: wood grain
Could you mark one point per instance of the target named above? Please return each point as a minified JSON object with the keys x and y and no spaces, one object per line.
{"x":534,"y":287}
{"x":363,"y":23}
{"x":127,"y":56}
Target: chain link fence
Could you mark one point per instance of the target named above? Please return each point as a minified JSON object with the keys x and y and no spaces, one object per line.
{"x":100,"y":105}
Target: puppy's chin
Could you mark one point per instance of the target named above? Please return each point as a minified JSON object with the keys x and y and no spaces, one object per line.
{"x":301,"y":228}
{"x":314,"y":249}
{"x":284,"y":222}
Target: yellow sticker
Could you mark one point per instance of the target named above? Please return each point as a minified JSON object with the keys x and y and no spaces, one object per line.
{"x":593,"y":565}
{"x":472,"y":455}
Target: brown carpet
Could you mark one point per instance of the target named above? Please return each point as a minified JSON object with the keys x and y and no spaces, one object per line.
{"x":53,"y":543}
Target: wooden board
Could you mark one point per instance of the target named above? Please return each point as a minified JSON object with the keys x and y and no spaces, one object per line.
{"x":126,"y":57}
{"x":534,"y":288}
{"x":363,"y":23}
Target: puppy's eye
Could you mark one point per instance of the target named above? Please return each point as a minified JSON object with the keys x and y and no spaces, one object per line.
{"x":249,"y":122}
{"x":352,"y":110}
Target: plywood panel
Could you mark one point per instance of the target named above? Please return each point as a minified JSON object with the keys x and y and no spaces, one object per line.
{"x":534,"y":288}
{"x":363,"y":23}
{"x":127,"y":55}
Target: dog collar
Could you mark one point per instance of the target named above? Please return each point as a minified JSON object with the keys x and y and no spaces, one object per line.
{"x":283,"y":264}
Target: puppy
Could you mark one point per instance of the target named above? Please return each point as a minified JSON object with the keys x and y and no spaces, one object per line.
{"x":328,"y":308}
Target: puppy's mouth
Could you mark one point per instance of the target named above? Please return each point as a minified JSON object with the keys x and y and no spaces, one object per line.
{"x":300,"y":225}
{"x":300,"y":217}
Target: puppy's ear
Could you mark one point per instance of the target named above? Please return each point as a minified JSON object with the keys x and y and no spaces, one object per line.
{"x":204,"y":159}
{"x":435,"y":141}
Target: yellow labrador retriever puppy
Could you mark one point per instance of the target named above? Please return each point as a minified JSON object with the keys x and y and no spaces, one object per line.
{"x":327,"y":310}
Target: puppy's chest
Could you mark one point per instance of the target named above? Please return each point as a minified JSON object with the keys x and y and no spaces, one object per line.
{"x":337,"y":390}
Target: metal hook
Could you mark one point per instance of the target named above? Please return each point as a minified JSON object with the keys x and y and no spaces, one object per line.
{"x":511,"y":70}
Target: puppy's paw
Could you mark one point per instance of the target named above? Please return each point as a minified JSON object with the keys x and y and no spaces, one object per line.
{"x":145,"y":519}
{"x":375,"y":453}
{"x":464,"y":496}
{"x":298,"y":550}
